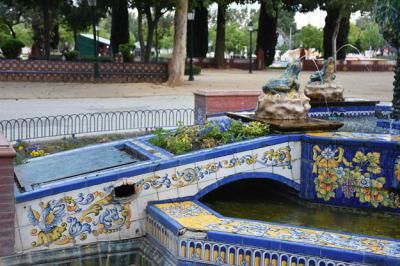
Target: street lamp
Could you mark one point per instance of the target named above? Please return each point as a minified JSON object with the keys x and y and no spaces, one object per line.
{"x":191,"y":15}
{"x":93,"y":4}
{"x":250,"y":28}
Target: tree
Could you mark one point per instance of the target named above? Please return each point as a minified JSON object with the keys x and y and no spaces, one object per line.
{"x":220,"y":38}
{"x":267,"y":36}
{"x":177,"y":65}
{"x":119,"y":24}
{"x":153,"y":10}
{"x":200,"y":27}
{"x":11,"y":15}
{"x":76,"y":18}
{"x":309,"y":37}
{"x":387,"y":14}
{"x":371,"y":38}
{"x":337,"y":23}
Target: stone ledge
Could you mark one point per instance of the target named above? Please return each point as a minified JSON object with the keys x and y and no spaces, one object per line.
{"x":226,"y":93}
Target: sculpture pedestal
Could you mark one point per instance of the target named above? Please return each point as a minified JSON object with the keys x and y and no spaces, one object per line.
{"x":324,"y":93}
{"x":283,"y":106}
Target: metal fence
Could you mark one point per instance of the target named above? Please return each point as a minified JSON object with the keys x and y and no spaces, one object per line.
{"x":62,"y":125}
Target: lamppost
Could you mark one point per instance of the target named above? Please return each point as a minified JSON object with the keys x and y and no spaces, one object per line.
{"x":250,"y":28}
{"x":191,"y":15}
{"x":93,"y":4}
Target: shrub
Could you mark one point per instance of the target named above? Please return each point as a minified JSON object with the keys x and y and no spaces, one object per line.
{"x":71,"y":55}
{"x":196,"y":70}
{"x":12,"y":48}
{"x":210,"y":135}
{"x":127,"y":50}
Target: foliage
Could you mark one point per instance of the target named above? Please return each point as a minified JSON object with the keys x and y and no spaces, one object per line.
{"x":212,"y":134}
{"x":387,"y":13}
{"x":371,"y":38}
{"x":127,"y":50}
{"x":12,"y":48}
{"x":196,"y":70}
{"x":309,"y":37}
{"x":25,"y":151}
{"x":71,"y":55}
{"x":119,"y":24}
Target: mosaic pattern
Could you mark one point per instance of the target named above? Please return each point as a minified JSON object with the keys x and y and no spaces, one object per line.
{"x":359,"y":177}
{"x":64,"y":220}
{"x":204,"y":221}
{"x":217,"y":253}
{"x":356,"y":136}
{"x":397,"y":169}
{"x":280,"y":157}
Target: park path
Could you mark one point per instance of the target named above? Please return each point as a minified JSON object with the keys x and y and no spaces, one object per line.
{"x":28,"y":99}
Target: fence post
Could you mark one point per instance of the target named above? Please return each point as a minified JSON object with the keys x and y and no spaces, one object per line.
{"x":7,"y":201}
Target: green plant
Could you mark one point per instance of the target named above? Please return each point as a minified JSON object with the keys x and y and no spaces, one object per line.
{"x":12,"y":48}
{"x":71,"y":55}
{"x":210,"y":135}
{"x":126,"y":50}
{"x":196,"y":70}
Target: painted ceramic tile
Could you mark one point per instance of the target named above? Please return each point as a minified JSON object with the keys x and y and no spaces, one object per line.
{"x":359,"y":176}
{"x":397,"y":169}
{"x":196,"y":218}
{"x":64,"y":220}
{"x":295,"y":150}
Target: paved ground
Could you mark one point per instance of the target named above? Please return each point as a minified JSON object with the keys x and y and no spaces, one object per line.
{"x":38,"y":99}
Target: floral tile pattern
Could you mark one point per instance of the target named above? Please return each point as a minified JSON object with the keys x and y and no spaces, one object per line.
{"x":397,"y":169}
{"x":69,"y":219}
{"x":356,"y":136}
{"x":279,"y":157}
{"x":194,"y":217}
{"x":359,"y":176}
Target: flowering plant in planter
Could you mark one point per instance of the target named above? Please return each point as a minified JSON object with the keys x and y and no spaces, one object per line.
{"x":212,"y":134}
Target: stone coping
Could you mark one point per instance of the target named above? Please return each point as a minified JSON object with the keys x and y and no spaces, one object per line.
{"x":227,"y":93}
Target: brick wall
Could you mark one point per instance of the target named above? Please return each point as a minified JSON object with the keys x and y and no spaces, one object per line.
{"x":7,"y":203}
{"x":64,"y":71}
{"x":214,"y":102}
{"x":354,"y":65}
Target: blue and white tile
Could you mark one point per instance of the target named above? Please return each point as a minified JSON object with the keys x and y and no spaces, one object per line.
{"x":108,"y":236}
{"x":171,"y":193}
{"x":296,"y":171}
{"x":227,"y":169}
{"x":201,"y":167}
{"x":26,"y":235}
{"x":188,"y":191}
{"x":143,"y":202}
{"x":243,"y":166}
{"x":295,"y":149}
{"x":283,"y":171}
{"x":259,"y":153}
{"x":134,"y":209}
{"x":18,"y":242}
{"x":164,"y":178}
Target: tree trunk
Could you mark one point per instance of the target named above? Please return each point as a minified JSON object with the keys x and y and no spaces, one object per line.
{"x":10,"y":27}
{"x":119,"y":24}
{"x":46,"y":27}
{"x":151,"y":25}
{"x":267,"y":36}
{"x":220,"y":41}
{"x":75,"y":34}
{"x":334,"y":38}
{"x":140,"y":34}
{"x":177,"y":65}
{"x":396,"y":90}
{"x":333,"y":15}
{"x":200,"y":27}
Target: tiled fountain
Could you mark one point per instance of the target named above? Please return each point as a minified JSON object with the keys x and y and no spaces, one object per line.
{"x":133,"y":197}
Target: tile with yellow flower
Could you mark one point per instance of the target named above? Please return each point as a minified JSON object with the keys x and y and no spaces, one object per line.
{"x":397,"y":168}
{"x":359,"y":177}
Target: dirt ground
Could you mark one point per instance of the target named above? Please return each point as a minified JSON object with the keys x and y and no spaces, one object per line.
{"x":370,"y":85}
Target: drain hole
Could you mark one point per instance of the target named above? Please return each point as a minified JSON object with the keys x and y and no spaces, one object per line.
{"x":124,"y":191}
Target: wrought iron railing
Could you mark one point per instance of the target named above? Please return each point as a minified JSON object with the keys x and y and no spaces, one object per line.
{"x":62,"y":125}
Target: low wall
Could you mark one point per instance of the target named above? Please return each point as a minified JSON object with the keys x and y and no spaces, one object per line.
{"x":65,"y":71}
{"x":207,"y":103}
{"x":354,"y":65}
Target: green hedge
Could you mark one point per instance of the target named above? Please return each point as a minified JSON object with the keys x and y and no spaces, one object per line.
{"x":12,"y":48}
